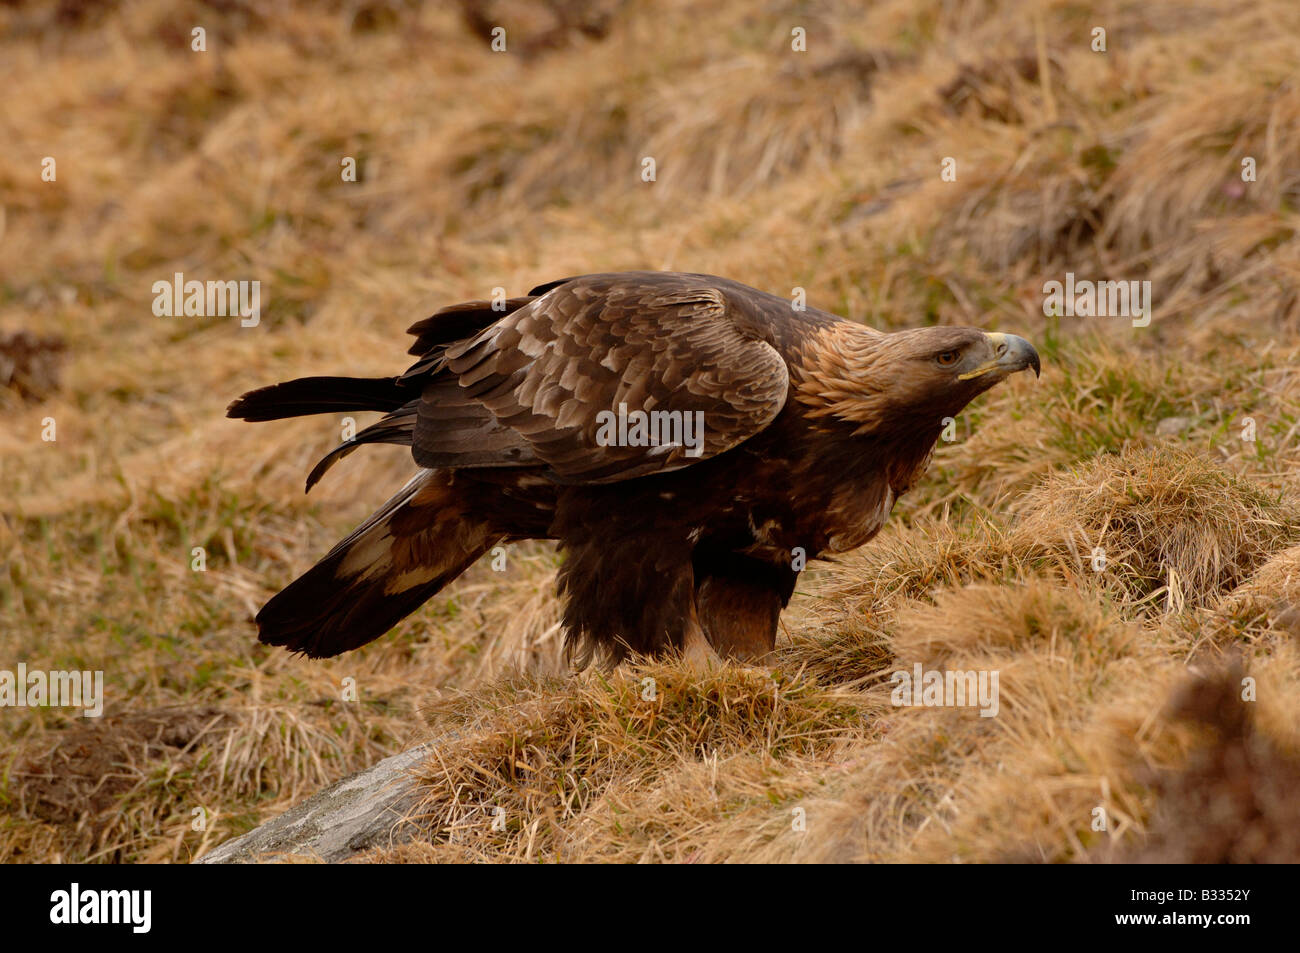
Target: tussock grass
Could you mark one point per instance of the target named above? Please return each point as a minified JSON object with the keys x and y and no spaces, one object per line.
{"x":539,"y":759}
{"x":135,"y":786}
{"x":1233,"y":801}
{"x":1167,"y":523}
{"x":817,"y":170}
{"x":1149,"y":524}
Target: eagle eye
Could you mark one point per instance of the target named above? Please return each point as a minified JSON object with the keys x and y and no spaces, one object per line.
{"x":948,"y":358}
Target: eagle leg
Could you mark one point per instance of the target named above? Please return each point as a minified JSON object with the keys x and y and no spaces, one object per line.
{"x":697,"y":652}
{"x":739,"y":615}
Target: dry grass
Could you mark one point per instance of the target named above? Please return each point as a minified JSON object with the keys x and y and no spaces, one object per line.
{"x":585,"y":768}
{"x":781,"y":169}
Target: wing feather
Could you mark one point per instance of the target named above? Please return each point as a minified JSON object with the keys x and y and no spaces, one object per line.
{"x":547,"y":373}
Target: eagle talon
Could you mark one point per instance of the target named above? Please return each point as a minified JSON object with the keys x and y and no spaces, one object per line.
{"x":697,"y":653}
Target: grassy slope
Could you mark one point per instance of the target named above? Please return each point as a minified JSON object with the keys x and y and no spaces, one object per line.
{"x":780,"y":169}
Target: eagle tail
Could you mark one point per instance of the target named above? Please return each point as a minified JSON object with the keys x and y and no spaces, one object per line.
{"x":320,"y":395}
{"x":402,"y":555}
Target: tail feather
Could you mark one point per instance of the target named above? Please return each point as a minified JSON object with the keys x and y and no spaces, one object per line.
{"x":396,"y":428}
{"x":412,"y":547}
{"x":320,"y":395}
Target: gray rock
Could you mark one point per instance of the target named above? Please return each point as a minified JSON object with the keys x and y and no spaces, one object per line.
{"x":1172,"y":426}
{"x":352,"y":815}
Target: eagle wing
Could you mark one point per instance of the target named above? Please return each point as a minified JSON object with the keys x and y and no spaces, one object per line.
{"x":544,"y":384}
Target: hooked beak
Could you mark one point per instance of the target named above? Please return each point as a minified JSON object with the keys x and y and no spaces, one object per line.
{"x":1010,"y":354}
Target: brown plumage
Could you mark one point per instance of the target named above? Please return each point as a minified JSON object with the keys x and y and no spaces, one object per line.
{"x":674,"y":537}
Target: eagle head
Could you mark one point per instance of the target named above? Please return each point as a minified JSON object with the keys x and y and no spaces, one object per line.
{"x":965,"y":362}
{"x":906,"y":382}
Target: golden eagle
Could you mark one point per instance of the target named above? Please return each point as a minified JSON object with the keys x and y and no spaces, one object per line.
{"x":689,"y":441}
